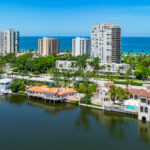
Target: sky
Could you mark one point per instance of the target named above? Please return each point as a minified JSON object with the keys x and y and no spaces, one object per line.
{"x":74,"y":18}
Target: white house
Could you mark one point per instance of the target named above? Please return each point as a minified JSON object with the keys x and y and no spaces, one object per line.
{"x":138,"y":100}
{"x":5,"y":85}
{"x":102,"y":94}
{"x":144,"y":108}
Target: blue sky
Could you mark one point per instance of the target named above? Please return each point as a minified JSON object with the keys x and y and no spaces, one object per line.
{"x":67,"y":17}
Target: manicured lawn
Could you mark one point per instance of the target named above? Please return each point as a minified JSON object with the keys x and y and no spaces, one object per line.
{"x":75,"y":101}
{"x":96,"y":105}
{"x":125,"y":83}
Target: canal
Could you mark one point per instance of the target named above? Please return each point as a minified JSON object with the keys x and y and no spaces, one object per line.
{"x":30,"y":125}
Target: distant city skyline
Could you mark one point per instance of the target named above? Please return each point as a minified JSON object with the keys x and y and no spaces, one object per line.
{"x":74,"y":18}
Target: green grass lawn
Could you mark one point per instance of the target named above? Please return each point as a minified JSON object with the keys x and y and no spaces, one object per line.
{"x":74,"y":101}
{"x":96,"y":105}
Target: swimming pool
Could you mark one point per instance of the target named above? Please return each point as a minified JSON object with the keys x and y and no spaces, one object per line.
{"x":130,"y":107}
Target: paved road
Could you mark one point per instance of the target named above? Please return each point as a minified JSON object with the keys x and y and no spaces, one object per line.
{"x":48,"y":78}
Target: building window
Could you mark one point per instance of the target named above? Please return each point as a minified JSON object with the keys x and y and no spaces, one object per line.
{"x":146,"y":110}
{"x":141,"y":109}
{"x":131,"y":96}
{"x":143,"y":100}
{"x":136,"y":97}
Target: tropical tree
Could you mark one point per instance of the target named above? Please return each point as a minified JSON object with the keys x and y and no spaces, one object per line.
{"x":36,"y":73}
{"x":18,"y":85}
{"x":121,"y":94}
{"x":117,"y":93}
{"x":82,"y":62}
{"x":95,"y":65}
{"x":113,"y":93}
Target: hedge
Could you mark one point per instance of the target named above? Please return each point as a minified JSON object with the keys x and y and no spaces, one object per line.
{"x":126,"y":83}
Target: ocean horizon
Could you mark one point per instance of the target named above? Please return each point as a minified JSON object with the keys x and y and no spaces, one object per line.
{"x":135,"y":44}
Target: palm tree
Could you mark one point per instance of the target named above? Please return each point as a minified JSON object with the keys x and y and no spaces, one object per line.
{"x":108,"y":72}
{"x":119,"y":71}
{"x":61,"y":66}
{"x":82,"y":62}
{"x":85,"y":78}
{"x":127,"y":76}
{"x":121,"y":94}
{"x":113,"y":93}
{"x":73,"y":65}
{"x":95,"y":65}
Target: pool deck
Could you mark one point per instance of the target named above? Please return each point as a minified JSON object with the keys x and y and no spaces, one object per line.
{"x":125,"y":111}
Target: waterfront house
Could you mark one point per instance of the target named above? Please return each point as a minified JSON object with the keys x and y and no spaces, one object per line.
{"x":138,"y":101}
{"x":102,"y":94}
{"x":50,"y":94}
{"x":5,"y":85}
{"x":144,"y":106}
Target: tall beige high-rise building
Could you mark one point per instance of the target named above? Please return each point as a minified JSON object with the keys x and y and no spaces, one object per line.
{"x":106,"y":42}
{"x":9,"y":42}
{"x":48,"y":46}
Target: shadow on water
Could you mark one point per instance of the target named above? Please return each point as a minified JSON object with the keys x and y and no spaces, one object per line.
{"x":115,"y":123}
{"x":51,"y":108}
{"x":14,"y":99}
{"x":144,"y":131}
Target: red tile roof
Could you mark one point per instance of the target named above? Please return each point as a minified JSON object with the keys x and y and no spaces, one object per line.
{"x":148,"y":87}
{"x":109,"y":84}
{"x":95,"y":93}
{"x":98,"y":88}
{"x":140,"y":92}
{"x":27,"y":86}
{"x":148,"y":99}
{"x":54,"y":90}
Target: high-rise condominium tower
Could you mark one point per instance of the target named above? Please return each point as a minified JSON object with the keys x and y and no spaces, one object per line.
{"x":106,"y":42}
{"x":80,"y":46}
{"x":9,"y":42}
{"x":48,"y":46}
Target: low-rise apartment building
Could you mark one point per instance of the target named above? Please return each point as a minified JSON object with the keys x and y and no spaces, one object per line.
{"x":66,"y":65}
{"x":112,"y":68}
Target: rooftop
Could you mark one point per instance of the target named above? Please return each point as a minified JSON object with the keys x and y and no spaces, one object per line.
{"x":109,"y":84}
{"x":140,"y":92}
{"x":5,"y":80}
{"x":148,"y":99}
{"x":54,"y":90}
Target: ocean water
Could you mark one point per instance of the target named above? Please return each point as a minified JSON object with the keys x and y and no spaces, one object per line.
{"x":136,"y":44}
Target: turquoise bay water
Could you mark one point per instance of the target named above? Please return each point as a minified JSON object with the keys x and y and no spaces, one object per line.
{"x":136,"y":44}
{"x":30,"y":125}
